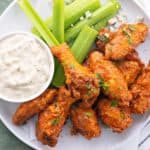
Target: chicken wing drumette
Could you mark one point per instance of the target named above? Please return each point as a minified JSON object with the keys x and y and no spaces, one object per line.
{"x":124,"y":41}
{"x":85,"y":122}
{"x":28,"y":109}
{"x":130,"y":70}
{"x":52,"y":119}
{"x":115,"y":117}
{"x":141,"y":92}
{"x":81,"y":82}
{"x":110,"y":78}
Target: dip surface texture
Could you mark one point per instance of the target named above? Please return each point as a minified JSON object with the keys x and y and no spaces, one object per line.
{"x":24,"y":66}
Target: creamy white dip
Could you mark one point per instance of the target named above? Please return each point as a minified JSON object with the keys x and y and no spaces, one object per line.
{"x":24,"y":66}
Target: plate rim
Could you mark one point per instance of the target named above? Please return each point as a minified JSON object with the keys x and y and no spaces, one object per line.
{"x":29,"y":143}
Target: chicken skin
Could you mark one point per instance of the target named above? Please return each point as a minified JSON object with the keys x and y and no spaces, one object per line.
{"x":141,"y":92}
{"x":115,"y":117}
{"x":29,"y":109}
{"x":80,"y":81}
{"x":85,"y":122}
{"x":110,"y":78}
{"x":130,"y":70}
{"x":52,"y":119}
{"x":124,"y":41}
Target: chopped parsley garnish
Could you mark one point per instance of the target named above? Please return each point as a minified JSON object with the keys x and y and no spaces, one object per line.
{"x":89,"y":93}
{"x":90,"y":89}
{"x":128,"y":36}
{"x":64,"y":64}
{"x":132,"y":28}
{"x":88,"y":114}
{"x":122,"y":115}
{"x":55,"y":121}
{"x":88,"y":86}
{"x":102,"y":83}
{"x":98,"y":76}
{"x":72,"y":66}
{"x":103,"y":38}
{"x":114,"y":104}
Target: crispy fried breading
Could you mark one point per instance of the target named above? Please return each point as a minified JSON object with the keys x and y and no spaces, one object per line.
{"x":28,"y":109}
{"x":125,"y":40}
{"x":52,"y":119}
{"x":141,"y":92}
{"x":130,"y":70}
{"x":110,"y":78}
{"x":85,"y":122}
{"x":113,"y":116}
{"x":82,"y":83}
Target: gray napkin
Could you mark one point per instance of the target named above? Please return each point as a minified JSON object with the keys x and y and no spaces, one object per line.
{"x":9,"y":141}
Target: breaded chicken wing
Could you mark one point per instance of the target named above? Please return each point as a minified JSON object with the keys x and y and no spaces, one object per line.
{"x":28,"y":109}
{"x":141,"y":92}
{"x":85,"y":122}
{"x":130,"y":70}
{"x":52,"y":119}
{"x":110,"y":78}
{"x":113,"y":116}
{"x":81,"y":82}
{"x":124,"y":41}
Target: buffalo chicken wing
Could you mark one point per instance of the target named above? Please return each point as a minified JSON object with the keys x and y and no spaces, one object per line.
{"x":141,"y":92}
{"x":110,"y":78}
{"x":85,"y":122}
{"x":52,"y":119}
{"x":28,"y":109}
{"x":113,"y":116}
{"x":81,"y":82}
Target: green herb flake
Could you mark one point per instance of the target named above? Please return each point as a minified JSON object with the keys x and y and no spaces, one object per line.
{"x":102,"y":83}
{"x":132,"y":28}
{"x":128,"y":36}
{"x":114,"y":104}
{"x":88,"y":114}
{"x":122,"y":115}
{"x":72,"y":66}
{"x":88,"y":86}
{"x":89,"y":93}
{"x":55,"y":121}
{"x":103,"y":38}
{"x":98,"y":76}
{"x":64,"y":64}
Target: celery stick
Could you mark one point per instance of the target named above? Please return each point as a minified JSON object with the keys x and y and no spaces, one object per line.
{"x":76,"y":9}
{"x":83,"y":43}
{"x":58,"y":20}
{"x":73,"y":12}
{"x":80,"y":49}
{"x":103,"y":23}
{"x":38,"y":22}
{"x":98,"y":15}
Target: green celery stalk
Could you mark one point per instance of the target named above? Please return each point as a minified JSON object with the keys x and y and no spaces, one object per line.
{"x":80,"y":50}
{"x":38,"y":22}
{"x":84,"y":43}
{"x":73,"y":12}
{"x":58,"y":20}
{"x":78,"y":8}
{"x":103,"y":23}
{"x":106,"y":10}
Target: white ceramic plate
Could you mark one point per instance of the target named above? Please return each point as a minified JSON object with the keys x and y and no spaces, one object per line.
{"x":12,"y":20}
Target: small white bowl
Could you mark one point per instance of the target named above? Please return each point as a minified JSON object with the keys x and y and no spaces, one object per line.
{"x":51,"y":65}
